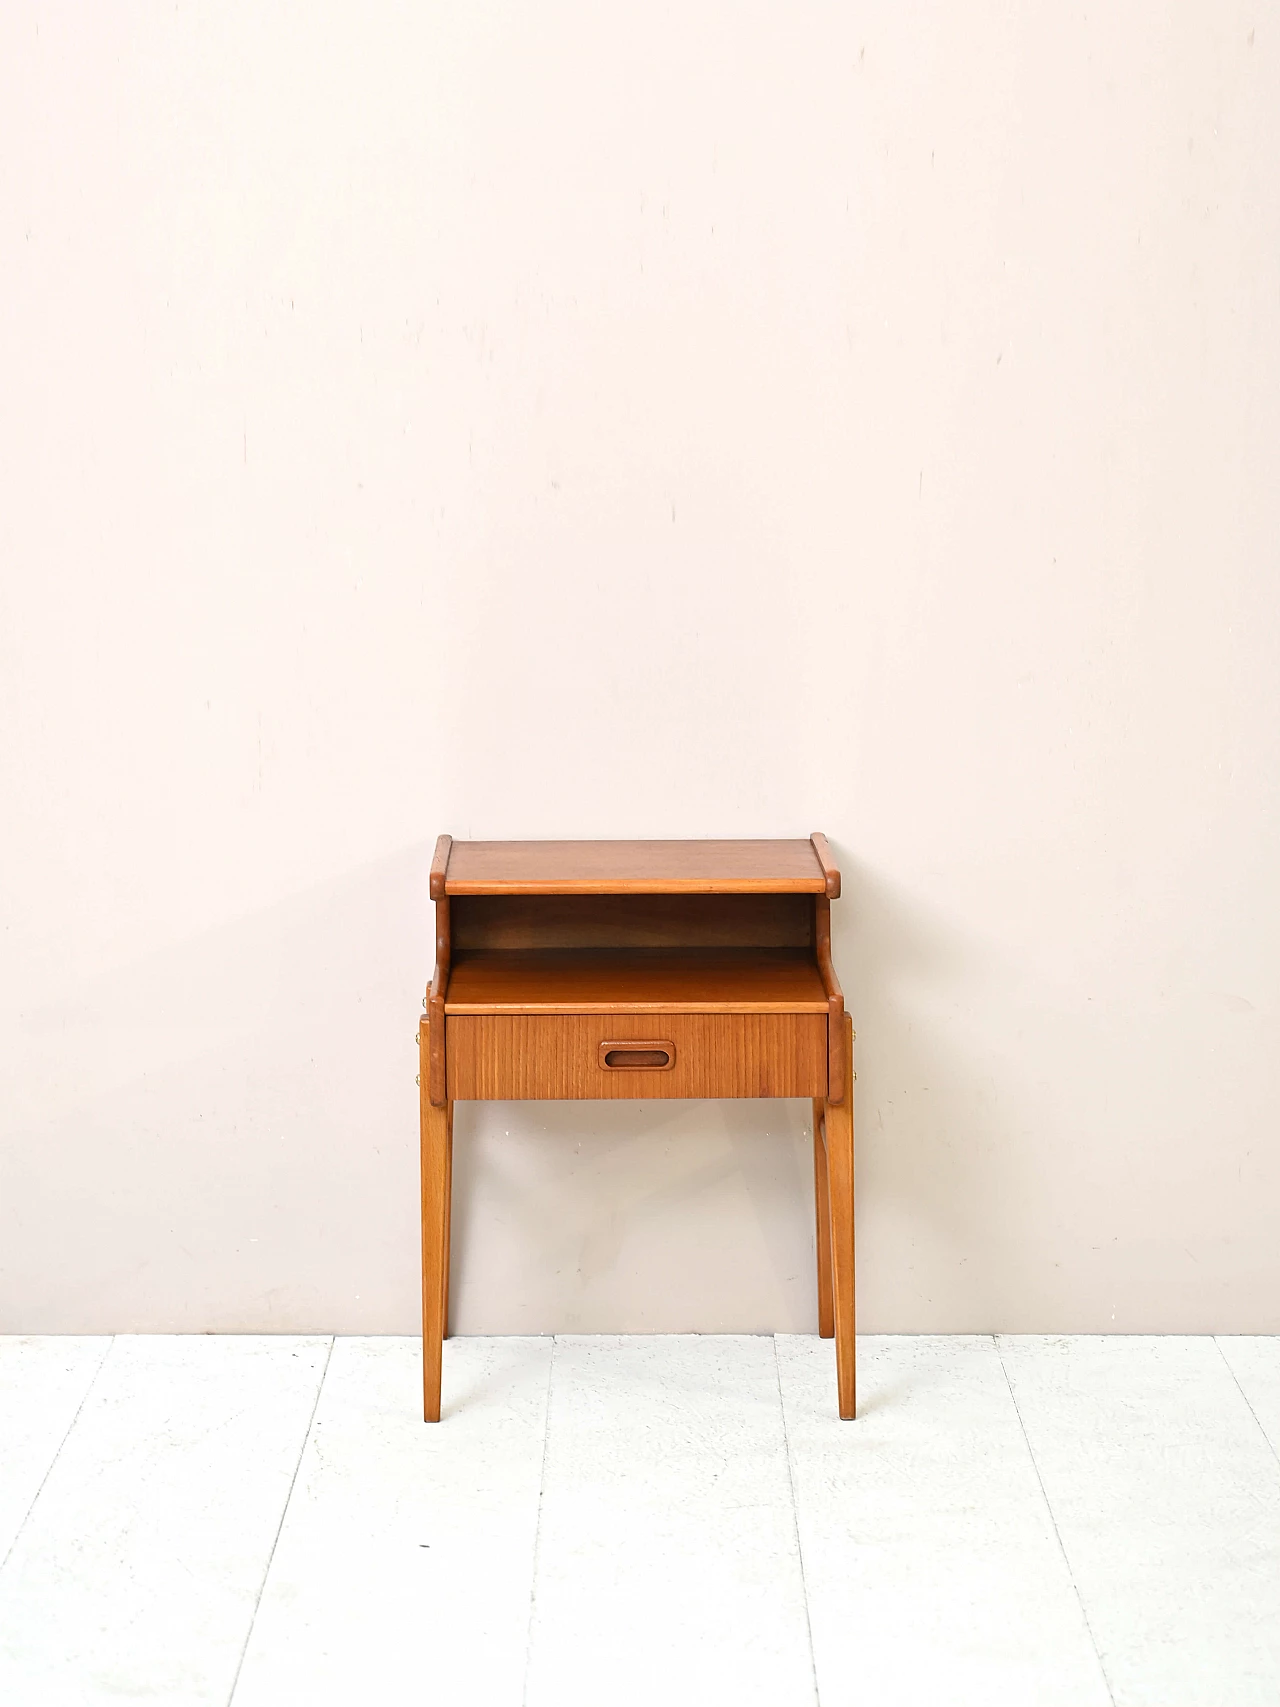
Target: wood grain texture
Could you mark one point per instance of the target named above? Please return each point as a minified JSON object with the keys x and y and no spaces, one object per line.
{"x":511,"y":1056}
{"x":839,"y":1130}
{"x":440,"y":867}
{"x":822,"y":1218}
{"x":830,"y":871}
{"x":632,"y":921}
{"x":572,"y":980}
{"x":835,"y":995}
{"x":436,"y":1127}
{"x":634,"y":868}
{"x":435,"y":1079}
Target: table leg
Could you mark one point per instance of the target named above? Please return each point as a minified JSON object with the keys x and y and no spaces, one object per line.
{"x":448,"y":1224}
{"x":436,"y":1127}
{"x":822,"y":1215}
{"x":839,"y":1128}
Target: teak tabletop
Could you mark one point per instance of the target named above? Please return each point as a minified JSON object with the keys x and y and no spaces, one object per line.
{"x":634,"y":868}
{"x":638,"y":970}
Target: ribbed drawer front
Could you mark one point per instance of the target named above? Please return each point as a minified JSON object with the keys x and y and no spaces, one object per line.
{"x":496,"y":1057}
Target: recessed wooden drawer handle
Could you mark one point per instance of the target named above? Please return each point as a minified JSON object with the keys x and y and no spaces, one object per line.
{"x":617,"y":1056}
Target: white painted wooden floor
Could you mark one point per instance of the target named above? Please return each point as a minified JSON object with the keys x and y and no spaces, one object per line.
{"x":266,"y":1521}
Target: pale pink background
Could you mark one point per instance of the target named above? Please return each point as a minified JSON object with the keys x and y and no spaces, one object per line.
{"x":692,"y":419}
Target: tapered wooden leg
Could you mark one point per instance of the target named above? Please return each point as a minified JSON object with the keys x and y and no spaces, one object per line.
{"x":822,"y":1214}
{"x":839,"y":1126}
{"x":435,"y":1238}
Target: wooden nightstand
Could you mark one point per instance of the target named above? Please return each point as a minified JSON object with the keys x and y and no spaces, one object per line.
{"x":638,"y":969}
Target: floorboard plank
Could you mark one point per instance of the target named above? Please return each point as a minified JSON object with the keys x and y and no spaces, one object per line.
{"x":933,"y":1570}
{"x":1254,"y":1361}
{"x":1167,"y":1499}
{"x":405,"y":1563}
{"x":667,"y":1563}
{"x":137,"y":1573}
{"x":43,"y":1381}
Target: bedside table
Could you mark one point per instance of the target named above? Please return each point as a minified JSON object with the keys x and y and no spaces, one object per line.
{"x":640,"y":970}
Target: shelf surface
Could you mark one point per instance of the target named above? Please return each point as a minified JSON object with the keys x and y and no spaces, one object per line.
{"x":634,"y":868}
{"x":613,"y":980}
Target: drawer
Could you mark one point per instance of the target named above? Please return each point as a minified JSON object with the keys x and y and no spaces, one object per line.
{"x":496,"y":1057}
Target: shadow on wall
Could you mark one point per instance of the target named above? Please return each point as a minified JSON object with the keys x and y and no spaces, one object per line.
{"x":634,"y":1217}
{"x":940,"y":1170}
